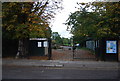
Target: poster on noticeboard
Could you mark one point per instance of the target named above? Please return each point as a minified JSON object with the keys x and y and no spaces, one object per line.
{"x":111,"y":46}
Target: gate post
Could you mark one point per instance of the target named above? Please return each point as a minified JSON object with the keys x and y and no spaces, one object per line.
{"x":49,"y":49}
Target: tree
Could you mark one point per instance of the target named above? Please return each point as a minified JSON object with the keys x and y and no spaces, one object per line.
{"x":82,"y":24}
{"x":24,"y":20}
{"x":95,"y":20}
{"x":56,"y":39}
{"x":66,"y":41}
{"x":109,"y":19}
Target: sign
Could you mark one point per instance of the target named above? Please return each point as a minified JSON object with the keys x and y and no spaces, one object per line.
{"x":45,"y":44}
{"x":38,"y":39}
{"x":111,"y":46}
{"x":39,"y":44}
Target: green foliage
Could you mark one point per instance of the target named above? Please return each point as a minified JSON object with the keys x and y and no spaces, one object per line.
{"x":95,"y":20}
{"x":57,"y":40}
{"x":28,"y":19}
{"x":66,"y":41}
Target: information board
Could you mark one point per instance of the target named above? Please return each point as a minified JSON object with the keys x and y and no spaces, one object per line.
{"x":111,"y":46}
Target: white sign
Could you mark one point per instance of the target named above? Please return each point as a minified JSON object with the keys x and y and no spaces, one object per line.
{"x":39,"y":44}
{"x":45,"y":44}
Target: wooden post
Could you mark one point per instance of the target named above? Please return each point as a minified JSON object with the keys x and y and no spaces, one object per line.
{"x":118,"y":50}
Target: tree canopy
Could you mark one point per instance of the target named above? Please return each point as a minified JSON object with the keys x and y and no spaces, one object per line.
{"x":56,"y":39}
{"x":28,"y":19}
{"x":95,"y":20}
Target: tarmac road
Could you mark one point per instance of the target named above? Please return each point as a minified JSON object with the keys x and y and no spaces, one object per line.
{"x":52,"y":70}
{"x":33,"y":72}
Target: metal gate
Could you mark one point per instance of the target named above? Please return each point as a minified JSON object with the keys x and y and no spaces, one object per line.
{"x":83,"y":54}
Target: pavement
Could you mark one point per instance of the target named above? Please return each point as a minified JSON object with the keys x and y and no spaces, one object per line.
{"x":61,"y":64}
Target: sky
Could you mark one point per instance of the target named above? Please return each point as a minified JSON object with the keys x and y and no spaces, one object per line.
{"x":60,"y":18}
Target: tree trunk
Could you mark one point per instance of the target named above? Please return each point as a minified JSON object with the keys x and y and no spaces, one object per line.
{"x":22,"y":48}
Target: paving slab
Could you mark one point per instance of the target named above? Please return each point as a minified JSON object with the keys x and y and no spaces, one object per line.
{"x":59,"y":63}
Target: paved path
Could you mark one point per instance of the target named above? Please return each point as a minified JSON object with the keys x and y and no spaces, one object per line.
{"x":67,"y":55}
{"x":60,"y":54}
